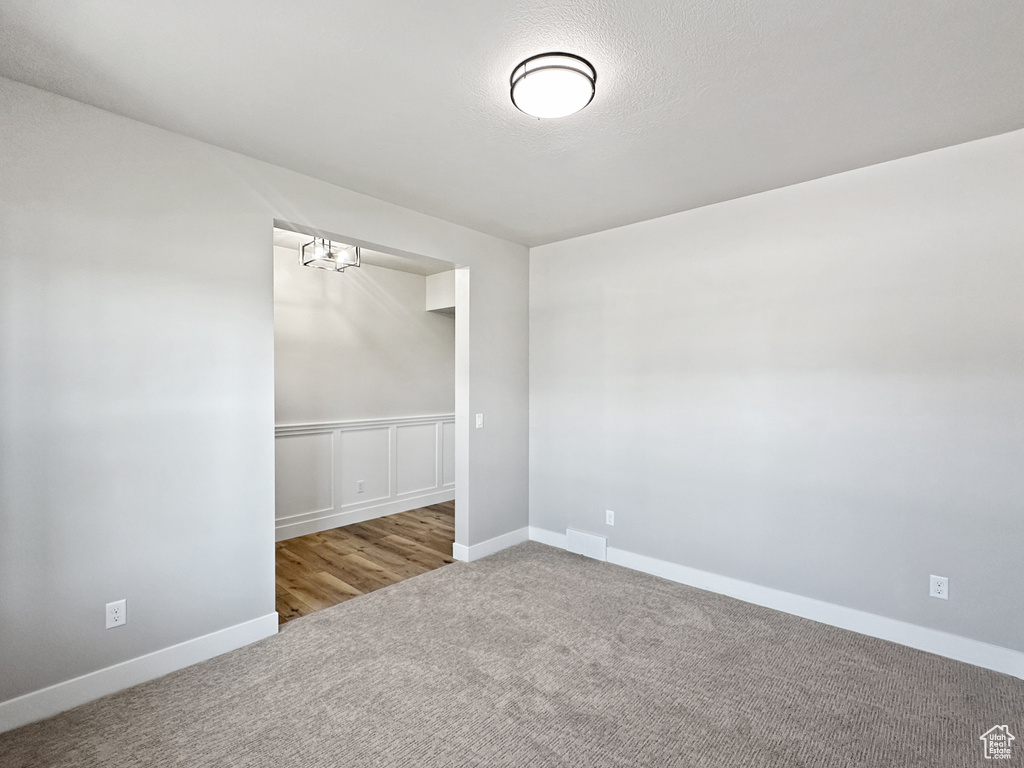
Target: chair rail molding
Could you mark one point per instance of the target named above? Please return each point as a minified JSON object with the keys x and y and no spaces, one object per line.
{"x":336,"y":473}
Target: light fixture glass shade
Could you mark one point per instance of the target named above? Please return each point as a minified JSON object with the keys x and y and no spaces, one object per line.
{"x":327,"y":254}
{"x":553,"y":84}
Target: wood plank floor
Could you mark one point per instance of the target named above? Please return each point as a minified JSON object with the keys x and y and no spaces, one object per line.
{"x":323,"y":569}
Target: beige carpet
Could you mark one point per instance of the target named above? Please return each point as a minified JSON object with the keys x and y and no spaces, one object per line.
{"x":535,"y":657}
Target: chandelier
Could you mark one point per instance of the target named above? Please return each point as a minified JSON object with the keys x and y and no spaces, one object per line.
{"x":327,"y":254}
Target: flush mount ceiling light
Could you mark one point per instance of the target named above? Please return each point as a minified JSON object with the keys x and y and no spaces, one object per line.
{"x":553,"y":84}
{"x":326,"y":254}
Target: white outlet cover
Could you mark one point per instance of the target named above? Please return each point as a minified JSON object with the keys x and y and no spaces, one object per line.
{"x":479,"y":421}
{"x":609,"y":517}
{"x":938,"y":587}
{"x":117,"y":613}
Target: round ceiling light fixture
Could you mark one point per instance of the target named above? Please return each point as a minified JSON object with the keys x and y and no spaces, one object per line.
{"x":553,"y":84}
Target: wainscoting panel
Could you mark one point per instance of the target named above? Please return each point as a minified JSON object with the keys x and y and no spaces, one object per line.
{"x":448,"y":453}
{"x":338,"y":473}
{"x":417,"y":458}
{"x":364,"y":468}
{"x":305,"y":474}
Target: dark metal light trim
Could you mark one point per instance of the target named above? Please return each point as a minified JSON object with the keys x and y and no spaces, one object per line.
{"x":522,"y":69}
{"x":328,"y":258}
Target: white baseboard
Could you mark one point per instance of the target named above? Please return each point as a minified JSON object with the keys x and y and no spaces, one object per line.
{"x":71,"y":693}
{"x":935,"y":641}
{"x":489,"y":547}
{"x":587,"y":544}
{"x":285,"y":530}
{"x":552,"y":539}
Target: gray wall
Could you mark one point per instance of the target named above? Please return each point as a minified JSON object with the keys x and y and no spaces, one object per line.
{"x":357,"y":345}
{"x":136,"y":379}
{"x":818,"y":389}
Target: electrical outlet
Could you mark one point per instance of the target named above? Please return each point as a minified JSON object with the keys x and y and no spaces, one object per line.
{"x":939,"y":587}
{"x":479,"y":421}
{"x":117,"y":613}
{"x":609,"y":517}
{"x":360,"y":486}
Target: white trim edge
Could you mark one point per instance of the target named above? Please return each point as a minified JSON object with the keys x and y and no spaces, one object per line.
{"x":957,"y":647}
{"x":47,"y":702}
{"x":317,"y":427}
{"x":489,"y":547}
{"x":544,"y":536}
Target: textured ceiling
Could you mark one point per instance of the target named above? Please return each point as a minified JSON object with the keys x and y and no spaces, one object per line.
{"x":697,"y":101}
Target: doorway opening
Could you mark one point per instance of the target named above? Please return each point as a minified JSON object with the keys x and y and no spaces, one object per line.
{"x":365,"y":399}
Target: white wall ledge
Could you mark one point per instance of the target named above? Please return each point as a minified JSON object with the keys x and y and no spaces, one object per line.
{"x":318,"y":427}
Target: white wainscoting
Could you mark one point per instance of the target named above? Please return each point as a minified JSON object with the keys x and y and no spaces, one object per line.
{"x":337,"y":473}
